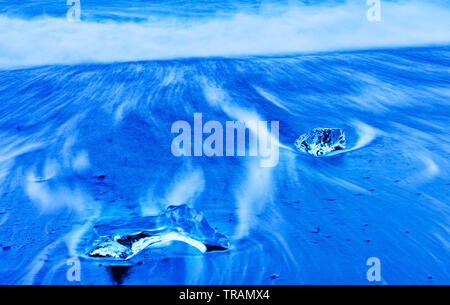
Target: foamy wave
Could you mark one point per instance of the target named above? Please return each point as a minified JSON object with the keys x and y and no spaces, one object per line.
{"x":293,"y":29}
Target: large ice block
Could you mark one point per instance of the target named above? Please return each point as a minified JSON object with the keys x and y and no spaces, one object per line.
{"x":177,"y":223}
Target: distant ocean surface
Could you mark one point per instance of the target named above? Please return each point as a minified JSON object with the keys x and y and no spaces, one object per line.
{"x":97,"y":98}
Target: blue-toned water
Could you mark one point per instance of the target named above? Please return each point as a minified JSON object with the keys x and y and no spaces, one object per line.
{"x":85,"y":138}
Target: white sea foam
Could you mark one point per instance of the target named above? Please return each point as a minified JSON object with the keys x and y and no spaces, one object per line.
{"x":288,"y":29}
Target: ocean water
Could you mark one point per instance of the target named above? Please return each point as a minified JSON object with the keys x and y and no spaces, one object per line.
{"x":85,"y":139}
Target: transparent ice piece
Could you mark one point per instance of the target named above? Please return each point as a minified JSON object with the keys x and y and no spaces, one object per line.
{"x":321,"y":141}
{"x":177,"y":223}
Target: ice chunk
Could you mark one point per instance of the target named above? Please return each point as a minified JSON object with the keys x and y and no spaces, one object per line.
{"x":195,"y":225}
{"x":321,"y":141}
{"x":177,"y":223}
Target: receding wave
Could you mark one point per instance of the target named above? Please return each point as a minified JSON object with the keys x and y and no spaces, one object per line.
{"x":274,"y":30}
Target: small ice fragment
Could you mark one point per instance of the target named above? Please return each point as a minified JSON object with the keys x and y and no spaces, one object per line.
{"x":177,"y":223}
{"x":110,"y":247}
{"x":321,"y":141}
